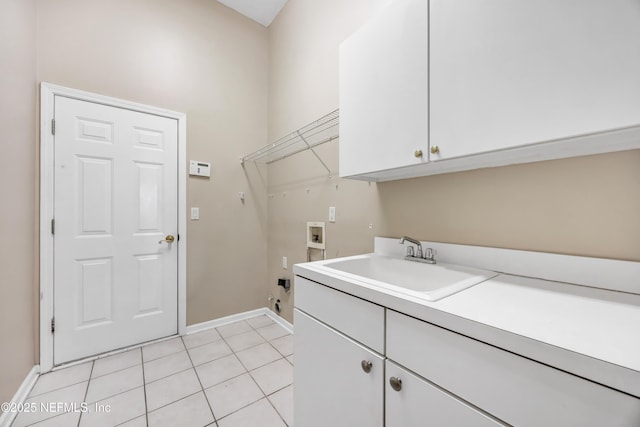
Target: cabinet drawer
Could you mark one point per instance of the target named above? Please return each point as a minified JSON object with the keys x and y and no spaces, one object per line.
{"x":356,"y":318}
{"x":514,"y":389}
{"x":418,"y":401}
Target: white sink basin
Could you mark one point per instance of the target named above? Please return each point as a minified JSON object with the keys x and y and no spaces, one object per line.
{"x":427,"y":281}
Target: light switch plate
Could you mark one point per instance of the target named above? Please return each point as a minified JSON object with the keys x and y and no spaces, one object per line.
{"x":195,"y":213}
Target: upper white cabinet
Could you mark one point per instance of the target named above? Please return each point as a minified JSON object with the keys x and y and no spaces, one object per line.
{"x":384,"y":91}
{"x":473,"y":84}
{"x":508,"y":73}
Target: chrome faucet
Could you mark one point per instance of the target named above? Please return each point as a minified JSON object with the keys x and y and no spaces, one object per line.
{"x":410,"y":248}
{"x":419,"y":257}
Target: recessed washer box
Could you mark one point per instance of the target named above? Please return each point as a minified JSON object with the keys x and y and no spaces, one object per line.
{"x":198,"y":168}
{"x":315,"y":235}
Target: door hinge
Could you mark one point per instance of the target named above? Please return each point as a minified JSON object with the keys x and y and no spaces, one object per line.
{"x":53,"y":325}
{"x":53,"y":126}
{"x":53,"y":226}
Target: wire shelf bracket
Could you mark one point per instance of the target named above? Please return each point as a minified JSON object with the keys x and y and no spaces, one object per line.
{"x":321,"y":131}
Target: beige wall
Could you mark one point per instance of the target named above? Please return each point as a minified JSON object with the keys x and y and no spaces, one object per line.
{"x":17,"y":181}
{"x":203,"y":59}
{"x":303,"y":86}
{"x":585,"y":206}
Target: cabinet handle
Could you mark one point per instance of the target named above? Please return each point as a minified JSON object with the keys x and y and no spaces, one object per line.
{"x":396,"y":383}
{"x":418,"y":153}
{"x":366,"y":366}
{"x":435,"y":149}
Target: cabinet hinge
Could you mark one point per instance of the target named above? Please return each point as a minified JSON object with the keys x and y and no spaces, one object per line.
{"x":53,"y":325}
{"x":178,"y":237}
{"x":53,"y":126}
{"x":53,"y":226}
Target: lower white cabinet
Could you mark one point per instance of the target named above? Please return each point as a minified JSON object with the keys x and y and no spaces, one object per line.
{"x":410,"y":401}
{"x":427,"y":375}
{"x":338,"y":382}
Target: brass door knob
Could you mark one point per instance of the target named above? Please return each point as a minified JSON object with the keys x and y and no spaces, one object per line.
{"x":435,"y":149}
{"x":418,"y":153}
{"x":168,"y":239}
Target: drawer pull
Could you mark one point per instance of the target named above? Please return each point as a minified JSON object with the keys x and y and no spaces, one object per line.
{"x":366,"y":366}
{"x":396,"y":383}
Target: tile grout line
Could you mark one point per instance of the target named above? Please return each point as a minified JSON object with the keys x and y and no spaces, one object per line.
{"x":223,"y":338}
{"x":86,"y":392}
{"x":201,"y":386}
{"x":55,"y":389}
{"x":127,"y":391}
{"x":277,"y":412}
{"x":264,"y":395}
{"x":120,"y":369}
{"x":144,"y":385}
{"x":247,"y":372}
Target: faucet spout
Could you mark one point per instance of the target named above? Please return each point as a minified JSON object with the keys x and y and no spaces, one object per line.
{"x":418,"y":254}
{"x":409,"y":239}
{"x":410,"y":249}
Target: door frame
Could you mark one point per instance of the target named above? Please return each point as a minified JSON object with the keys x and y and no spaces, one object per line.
{"x":48,"y":92}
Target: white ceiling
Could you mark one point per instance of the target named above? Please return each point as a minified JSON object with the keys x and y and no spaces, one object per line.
{"x":262,"y":11}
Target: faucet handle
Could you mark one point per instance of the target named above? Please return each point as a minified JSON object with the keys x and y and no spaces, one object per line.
{"x":428,"y":253}
{"x":419,"y":251}
{"x":409,"y":250}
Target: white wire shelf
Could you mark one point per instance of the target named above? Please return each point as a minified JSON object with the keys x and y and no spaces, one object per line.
{"x":323,"y":130}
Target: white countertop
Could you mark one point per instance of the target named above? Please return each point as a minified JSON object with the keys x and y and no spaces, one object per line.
{"x":599,"y":323}
{"x":593,"y":333}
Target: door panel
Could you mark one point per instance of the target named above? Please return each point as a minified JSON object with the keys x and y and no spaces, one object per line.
{"x":115,"y":199}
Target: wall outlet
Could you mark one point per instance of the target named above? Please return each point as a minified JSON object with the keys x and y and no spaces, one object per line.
{"x":332,"y":214}
{"x":284,"y":262}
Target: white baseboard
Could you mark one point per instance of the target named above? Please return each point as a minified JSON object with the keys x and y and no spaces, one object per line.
{"x":192,"y":329}
{"x":6,"y":418}
{"x":279,"y":320}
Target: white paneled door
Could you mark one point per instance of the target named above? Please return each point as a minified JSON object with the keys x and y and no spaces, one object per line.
{"x":115,"y":210}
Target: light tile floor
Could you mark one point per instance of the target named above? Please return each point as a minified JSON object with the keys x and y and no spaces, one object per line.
{"x":236,"y":375}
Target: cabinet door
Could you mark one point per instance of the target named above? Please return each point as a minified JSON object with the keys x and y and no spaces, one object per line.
{"x":384,"y":91}
{"x":517,"y":390}
{"x":418,"y":403}
{"x":508,"y":73}
{"x":331,"y":387}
